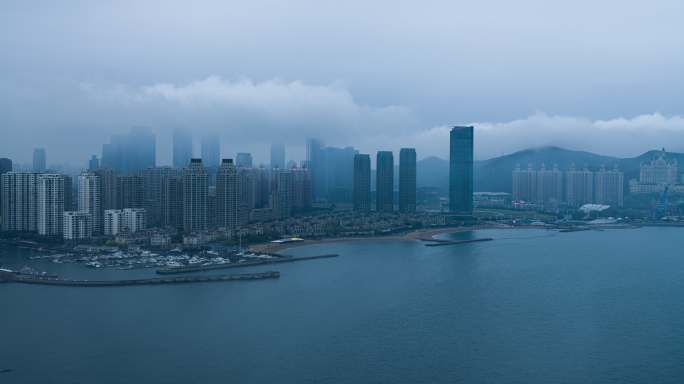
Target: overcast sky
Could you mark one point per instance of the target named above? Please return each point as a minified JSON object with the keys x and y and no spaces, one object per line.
{"x":604,"y":76}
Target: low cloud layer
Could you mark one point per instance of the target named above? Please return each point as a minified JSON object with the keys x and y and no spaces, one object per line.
{"x":249,"y":115}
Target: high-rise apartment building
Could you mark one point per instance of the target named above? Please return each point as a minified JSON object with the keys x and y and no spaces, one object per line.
{"x":549,"y":186}
{"x":227,"y":195}
{"x":362,"y":183}
{"x":90,"y":200}
{"x":525,"y":184}
{"x":19,"y":201}
{"x":283,"y":191}
{"x":195,"y":196}
{"x":152,"y":184}
{"x":129,"y":220}
{"x":461,"y":170}
{"x":5,"y":166}
{"x":609,"y":186}
{"x":384,"y":185}
{"x":579,"y":186}
{"x":129,"y":191}
{"x":77,"y":225}
{"x":51,"y":188}
{"x":407,"y":180}
{"x":171,"y":202}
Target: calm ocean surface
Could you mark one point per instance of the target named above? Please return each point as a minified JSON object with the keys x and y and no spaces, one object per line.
{"x":532,"y":306}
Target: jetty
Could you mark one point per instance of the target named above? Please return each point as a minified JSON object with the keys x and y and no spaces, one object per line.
{"x":14,"y":278}
{"x":273,"y":260}
{"x":440,"y":243}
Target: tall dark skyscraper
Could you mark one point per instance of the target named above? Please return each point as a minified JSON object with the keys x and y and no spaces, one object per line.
{"x":227,"y":195}
{"x":39,"y":160}
{"x":407,"y":180}
{"x":384,"y":184}
{"x":182,"y":148}
{"x":461,"y":170}
{"x":278,"y":156}
{"x":362,"y":183}
{"x":195,"y":196}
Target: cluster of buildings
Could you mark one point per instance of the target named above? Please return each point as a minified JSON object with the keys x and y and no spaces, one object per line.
{"x":658,"y":175}
{"x":124,"y":192}
{"x":551,"y":187}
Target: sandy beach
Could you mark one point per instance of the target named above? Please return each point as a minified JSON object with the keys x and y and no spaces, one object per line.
{"x":419,"y":234}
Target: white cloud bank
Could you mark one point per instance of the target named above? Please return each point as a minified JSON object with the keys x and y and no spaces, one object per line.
{"x":250,"y":115}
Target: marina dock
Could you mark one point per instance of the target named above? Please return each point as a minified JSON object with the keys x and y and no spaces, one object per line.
{"x":273,"y":260}
{"x":152,"y":281}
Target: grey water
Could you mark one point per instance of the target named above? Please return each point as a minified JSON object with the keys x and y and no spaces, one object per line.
{"x":532,"y":306}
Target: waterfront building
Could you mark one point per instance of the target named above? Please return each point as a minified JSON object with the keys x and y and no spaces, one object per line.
{"x":39,"y":160}
{"x":19,"y":201}
{"x":461,"y":170}
{"x":129,"y":220}
{"x":227,"y":195}
{"x":93,"y":163}
{"x":362,"y":183}
{"x":579,"y":186}
{"x":247,"y":193}
{"x":77,"y":225}
{"x":90,"y":200}
{"x":384,"y":184}
{"x":243,"y":160}
{"x":51,"y":191}
{"x":195,"y":195}
{"x":277,"y":156}
{"x":407,"y":180}
{"x":609,"y":187}
{"x":182,"y":148}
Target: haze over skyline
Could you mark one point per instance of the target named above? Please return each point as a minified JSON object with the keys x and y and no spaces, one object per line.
{"x":602,"y":77}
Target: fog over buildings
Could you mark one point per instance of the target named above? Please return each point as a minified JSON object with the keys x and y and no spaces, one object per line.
{"x":601,"y":77}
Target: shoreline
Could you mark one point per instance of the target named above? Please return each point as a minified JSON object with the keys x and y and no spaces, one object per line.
{"x":415,"y":235}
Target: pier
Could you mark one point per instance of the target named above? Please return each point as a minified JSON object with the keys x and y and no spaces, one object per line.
{"x":440,"y":243}
{"x":151,"y":281}
{"x":274,"y":260}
